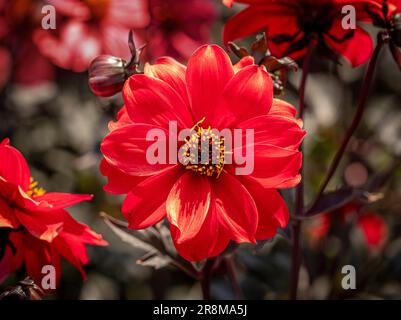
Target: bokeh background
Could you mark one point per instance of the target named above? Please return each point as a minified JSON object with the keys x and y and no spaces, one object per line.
{"x":51,"y":116}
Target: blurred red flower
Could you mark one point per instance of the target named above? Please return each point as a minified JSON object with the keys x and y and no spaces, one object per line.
{"x":292,"y":25}
{"x":20,"y":57}
{"x":373,"y":11}
{"x":374,"y":229}
{"x":178,"y":27}
{"x":386,"y":15}
{"x":372,"y":226}
{"x":205,"y":211}
{"x":88,"y":28}
{"x":37,"y":228}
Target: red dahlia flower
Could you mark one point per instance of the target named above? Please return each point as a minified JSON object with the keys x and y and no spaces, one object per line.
{"x":386,"y":15}
{"x":292,"y":25}
{"x":18,"y":20}
{"x":178,"y":27}
{"x":89,"y":28}
{"x":207,"y":206}
{"x":34,"y":224}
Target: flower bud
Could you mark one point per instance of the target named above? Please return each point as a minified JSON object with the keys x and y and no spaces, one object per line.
{"x":107,"y":75}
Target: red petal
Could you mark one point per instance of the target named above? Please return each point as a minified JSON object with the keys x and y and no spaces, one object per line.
{"x":237,"y":214}
{"x":57,"y":200}
{"x":13,"y":166}
{"x":125,"y":149}
{"x":153,"y":101}
{"x":283,"y":108}
{"x":81,"y":232}
{"x":248,"y":94}
{"x":7,"y":216}
{"x":244,"y":62}
{"x":356,"y":50}
{"x":9,"y":191}
{"x":186,"y":209}
{"x":210,"y":241}
{"x":12,"y":261}
{"x":273,"y":211}
{"x":123,"y":120}
{"x":275,"y":167}
{"x":146,"y":204}
{"x":275,"y":18}
{"x":285,"y":24}
{"x":208,"y":72}
{"x":172,"y":72}
{"x":245,"y":23}
{"x":39,"y":254}
{"x":274,"y":130}
{"x":72,"y":250}
{"x":118,"y":181}
{"x":43,"y":225}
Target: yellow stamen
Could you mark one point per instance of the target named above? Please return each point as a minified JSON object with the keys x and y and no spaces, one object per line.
{"x":215,"y":150}
{"x":34,"y":190}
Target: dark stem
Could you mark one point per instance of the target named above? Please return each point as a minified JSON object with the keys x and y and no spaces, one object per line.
{"x":299,"y":200}
{"x":295,"y":258}
{"x":205,"y":283}
{"x":205,"y":277}
{"x":357,"y":117}
{"x":229,"y":262}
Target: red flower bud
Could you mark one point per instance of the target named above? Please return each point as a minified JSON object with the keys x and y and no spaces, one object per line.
{"x":107,"y":75}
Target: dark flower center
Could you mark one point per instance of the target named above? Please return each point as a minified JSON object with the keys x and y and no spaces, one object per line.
{"x":316,"y":19}
{"x":161,"y":14}
{"x":204,"y":151}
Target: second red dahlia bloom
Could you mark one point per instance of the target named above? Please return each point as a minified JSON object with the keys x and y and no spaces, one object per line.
{"x":292,"y":25}
{"x":36,"y":228}
{"x":206,"y":206}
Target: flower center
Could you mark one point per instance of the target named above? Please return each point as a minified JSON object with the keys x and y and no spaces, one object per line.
{"x":204,"y":151}
{"x":34,"y":190}
{"x":98,"y":8}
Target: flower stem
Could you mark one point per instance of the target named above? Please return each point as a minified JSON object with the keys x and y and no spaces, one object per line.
{"x":233,"y":277}
{"x":205,"y":284}
{"x":299,"y":200}
{"x":381,"y":39}
{"x":295,"y":258}
{"x":205,"y":276}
